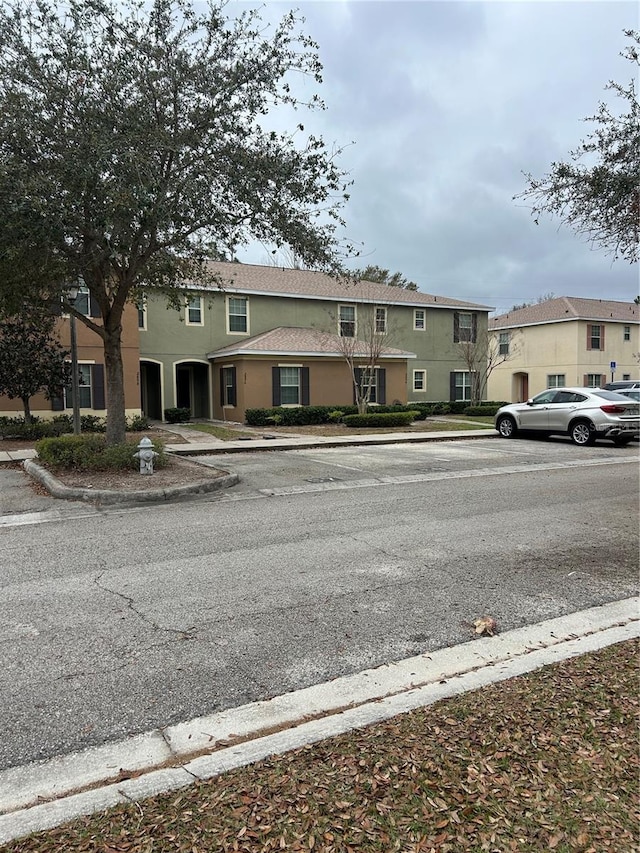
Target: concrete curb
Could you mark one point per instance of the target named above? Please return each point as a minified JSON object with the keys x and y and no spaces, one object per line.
{"x":106,"y":497}
{"x":254,"y":445}
{"x":165,"y":759}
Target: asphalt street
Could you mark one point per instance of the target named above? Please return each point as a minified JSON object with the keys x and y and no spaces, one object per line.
{"x":319,"y":563}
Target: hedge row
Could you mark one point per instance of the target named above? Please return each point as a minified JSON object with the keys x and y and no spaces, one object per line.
{"x":381,"y":419}
{"x":90,"y":453}
{"x":306,"y":415}
{"x":62,"y":424}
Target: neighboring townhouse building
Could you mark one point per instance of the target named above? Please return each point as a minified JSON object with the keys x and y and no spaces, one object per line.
{"x":93,"y":397}
{"x":272,"y":336}
{"x":564,"y":341}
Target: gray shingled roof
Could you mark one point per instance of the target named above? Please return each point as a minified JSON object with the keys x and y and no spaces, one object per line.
{"x":568,"y":308}
{"x":302,"y":342}
{"x":306,"y":284}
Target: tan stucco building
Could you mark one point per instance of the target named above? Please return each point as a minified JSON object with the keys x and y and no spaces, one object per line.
{"x":564,"y":341}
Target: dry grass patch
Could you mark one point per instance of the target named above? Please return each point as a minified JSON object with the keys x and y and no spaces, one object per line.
{"x":544,"y":762}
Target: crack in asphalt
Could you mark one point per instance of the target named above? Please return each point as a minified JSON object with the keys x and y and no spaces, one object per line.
{"x":184,"y":634}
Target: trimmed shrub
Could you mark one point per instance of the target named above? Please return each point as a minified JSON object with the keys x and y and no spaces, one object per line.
{"x":137,"y":423}
{"x":380,"y":419}
{"x":92,"y":423}
{"x":177,"y":415}
{"x":90,"y":453}
{"x":485,"y":409}
{"x":17,"y":428}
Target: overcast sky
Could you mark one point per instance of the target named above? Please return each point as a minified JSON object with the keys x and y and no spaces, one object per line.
{"x":447,"y":104}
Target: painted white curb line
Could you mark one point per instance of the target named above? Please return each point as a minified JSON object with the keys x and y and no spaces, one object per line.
{"x":200,"y":749}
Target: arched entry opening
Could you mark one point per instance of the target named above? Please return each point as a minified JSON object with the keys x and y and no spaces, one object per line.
{"x":192,"y":388}
{"x":151,"y":390}
{"x":520,"y":387}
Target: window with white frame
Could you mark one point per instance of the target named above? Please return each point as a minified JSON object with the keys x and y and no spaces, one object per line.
{"x":594,"y":380}
{"x":419,"y":319}
{"x":627,"y":333}
{"x":381,"y":320}
{"x":142,"y":315}
{"x":237,"y":315}
{"x":290,"y":389}
{"x":466,"y":327}
{"x":555,"y":380}
{"x":419,"y":380}
{"x":194,"y":311}
{"x":347,"y":321}
{"x":462,"y":385}
{"x":369,"y":379}
{"x":503,"y":343}
{"x":228,"y":381}
{"x":595,"y":336}
{"x":82,"y":302}
{"x":84,"y":382}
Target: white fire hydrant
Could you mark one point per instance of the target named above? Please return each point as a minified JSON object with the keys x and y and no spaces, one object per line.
{"x":146,"y":454}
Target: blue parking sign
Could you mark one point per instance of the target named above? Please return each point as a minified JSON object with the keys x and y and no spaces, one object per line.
{"x":612,"y":365}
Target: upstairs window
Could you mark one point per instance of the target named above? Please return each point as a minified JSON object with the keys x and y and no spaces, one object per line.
{"x":465,"y":327}
{"x":503,"y":343}
{"x":419,"y":320}
{"x":194,"y":311}
{"x":627,"y":333}
{"x":237,"y":315}
{"x":381,"y":320}
{"x":595,"y":336}
{"x":347,"y":321}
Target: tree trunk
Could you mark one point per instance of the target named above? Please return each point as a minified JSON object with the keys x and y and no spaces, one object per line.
{"x":27,"y":410}
{"x":114,"y":374}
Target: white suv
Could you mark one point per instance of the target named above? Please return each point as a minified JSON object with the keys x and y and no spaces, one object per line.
{"x":582,"y":413}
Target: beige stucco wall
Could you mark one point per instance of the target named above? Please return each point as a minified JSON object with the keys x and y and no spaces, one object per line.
{"x":561,"y":348}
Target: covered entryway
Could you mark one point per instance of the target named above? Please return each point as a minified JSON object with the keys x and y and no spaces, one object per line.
{"x":192,"y":388}
{"x":151,"y":389}
{"x":520,"y":387}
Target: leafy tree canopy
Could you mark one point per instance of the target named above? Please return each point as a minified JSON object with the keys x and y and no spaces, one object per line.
{"x":597,"y":191}
{"x":138,"y":140}
{"x":382,"y":276}
{"x":31,"y":358}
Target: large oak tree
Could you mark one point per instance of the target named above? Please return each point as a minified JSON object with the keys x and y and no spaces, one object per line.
{"x":138,"y":140}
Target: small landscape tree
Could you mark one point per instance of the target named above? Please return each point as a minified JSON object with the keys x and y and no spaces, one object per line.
{"x":481,"y":357}
{"x":31,"y":359}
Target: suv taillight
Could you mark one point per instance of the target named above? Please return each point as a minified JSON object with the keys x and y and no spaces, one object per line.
{"x":611,"y":409}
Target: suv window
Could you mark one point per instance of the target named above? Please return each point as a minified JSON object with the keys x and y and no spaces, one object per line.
{"x":546,"y":397}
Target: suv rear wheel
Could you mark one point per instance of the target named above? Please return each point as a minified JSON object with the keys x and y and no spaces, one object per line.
{"x":582,"y":433}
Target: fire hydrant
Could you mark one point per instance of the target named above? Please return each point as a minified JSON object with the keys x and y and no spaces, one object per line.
{"x":146,"y":454}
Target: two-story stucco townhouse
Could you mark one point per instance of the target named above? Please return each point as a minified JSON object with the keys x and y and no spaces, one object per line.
{"x":272,"y":336}
{"x":564,"y":341}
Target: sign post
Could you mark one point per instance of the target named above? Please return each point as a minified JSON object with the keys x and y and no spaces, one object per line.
{"x":612,"y":366}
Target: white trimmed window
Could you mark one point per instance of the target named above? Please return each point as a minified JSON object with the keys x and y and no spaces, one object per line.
{"x":347,"y":321}
{"x":503,"y":343}
{"x":627,"y":333}
{"x":84,"y":383}
{"x":419,"y":380}
{"x":594,"y":380}
{"x":142,"y":316}
{"x":193,"y":312}
{"x":419,"y":319}
{"x":290,"y":389}
{"x":462,"y":385}
{"x":237,"y":315}
{"x":555,"y":380}
{"x":381,"y":320}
